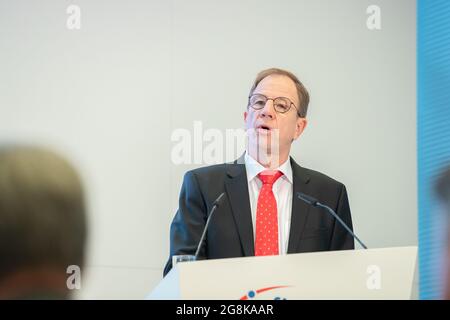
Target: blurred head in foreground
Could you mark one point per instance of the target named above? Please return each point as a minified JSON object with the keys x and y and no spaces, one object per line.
{"x":42,"y":223}
{"x":443,"y":191}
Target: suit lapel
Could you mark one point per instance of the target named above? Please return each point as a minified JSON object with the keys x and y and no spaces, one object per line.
{"x":237,"y":189}
{"x":300,"y":209}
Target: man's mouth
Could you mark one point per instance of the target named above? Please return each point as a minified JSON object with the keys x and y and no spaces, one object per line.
{"x":263,"y":128}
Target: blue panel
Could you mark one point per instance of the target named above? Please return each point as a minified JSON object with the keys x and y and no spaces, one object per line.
{"x":433,"y":120}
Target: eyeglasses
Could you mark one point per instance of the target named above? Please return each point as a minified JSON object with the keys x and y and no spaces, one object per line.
{"x":280,"y":104}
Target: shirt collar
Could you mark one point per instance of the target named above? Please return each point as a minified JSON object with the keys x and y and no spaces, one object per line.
{"x":254,"y":168}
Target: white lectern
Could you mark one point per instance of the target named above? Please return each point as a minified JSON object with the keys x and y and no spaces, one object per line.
{"x":387,"y":273}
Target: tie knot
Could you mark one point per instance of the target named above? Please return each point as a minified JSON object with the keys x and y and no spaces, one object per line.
{"x":269,"y":177}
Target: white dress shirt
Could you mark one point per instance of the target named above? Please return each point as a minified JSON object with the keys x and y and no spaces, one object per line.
{"x":282,"y":189}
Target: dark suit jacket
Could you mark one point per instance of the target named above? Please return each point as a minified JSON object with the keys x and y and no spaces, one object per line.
{"x":230,"y":232}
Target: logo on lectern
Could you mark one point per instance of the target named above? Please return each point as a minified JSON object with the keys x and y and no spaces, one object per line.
{"x":252,"y":294}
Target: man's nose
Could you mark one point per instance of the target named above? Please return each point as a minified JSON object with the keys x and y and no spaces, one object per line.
{"x":268,"y":110}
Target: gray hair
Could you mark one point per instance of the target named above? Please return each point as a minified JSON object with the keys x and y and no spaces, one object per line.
{"x":42,"y":211}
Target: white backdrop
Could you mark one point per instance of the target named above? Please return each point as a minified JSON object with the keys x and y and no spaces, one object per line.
{"x":111,"y":94}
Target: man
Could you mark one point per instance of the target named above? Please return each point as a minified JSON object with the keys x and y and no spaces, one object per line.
{"x":260,"y":213}
{"x":42,"y":223}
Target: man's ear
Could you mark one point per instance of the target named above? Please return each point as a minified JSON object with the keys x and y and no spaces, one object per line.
{"x":245,"y":116}
{"x":300,"y":127}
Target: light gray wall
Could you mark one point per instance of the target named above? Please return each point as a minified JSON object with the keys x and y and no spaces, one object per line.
{"x":111,"y":94}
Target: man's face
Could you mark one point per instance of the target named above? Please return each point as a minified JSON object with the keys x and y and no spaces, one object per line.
{"x":266,"y":124}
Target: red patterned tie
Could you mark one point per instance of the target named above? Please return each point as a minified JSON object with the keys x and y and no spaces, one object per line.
{"x":266,"y":243}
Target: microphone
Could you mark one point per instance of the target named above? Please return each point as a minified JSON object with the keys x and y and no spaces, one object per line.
{"x":315,"y":203}
{"x":213,"y":209}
